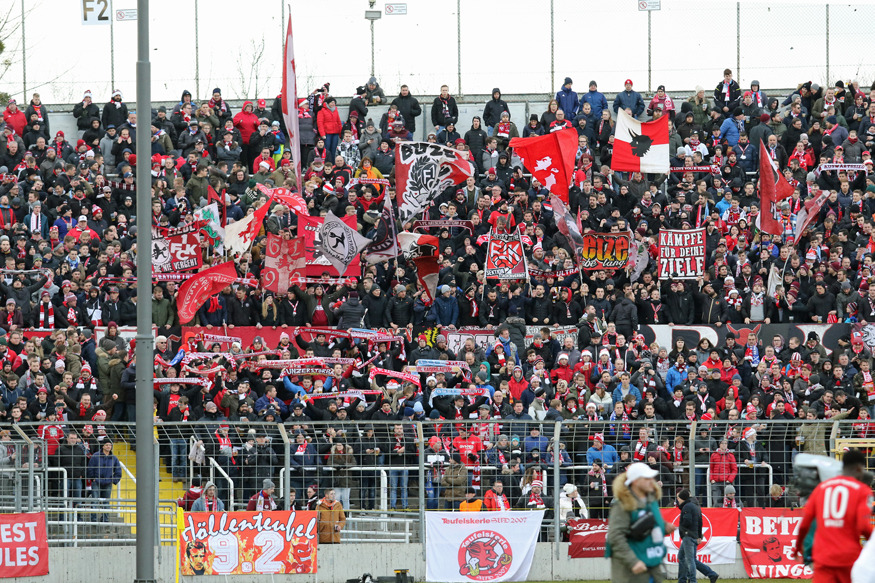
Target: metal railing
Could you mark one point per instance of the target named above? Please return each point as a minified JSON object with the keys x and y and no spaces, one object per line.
{"x":376,"y":480}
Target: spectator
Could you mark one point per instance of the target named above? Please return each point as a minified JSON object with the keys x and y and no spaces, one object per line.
{"x":332,"y":518}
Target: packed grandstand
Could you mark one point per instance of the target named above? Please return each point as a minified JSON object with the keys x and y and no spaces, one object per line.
{"x":297,"y":368}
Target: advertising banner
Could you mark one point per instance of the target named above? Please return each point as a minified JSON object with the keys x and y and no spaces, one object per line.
{"x":768,"y":540}
{"x":719,"y":527}
{"x":587,"y":537}
{"x":681,"y":254}
{"x":243,"y":543}
{"x":490,"y":546}
{"x":24,"y":547}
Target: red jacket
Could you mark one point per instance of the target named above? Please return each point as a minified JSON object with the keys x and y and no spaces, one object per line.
{"x":491,"y":501}
{"x":723,"y":466}
{"x":562,"y":372}
{"x":16,"y":121}
{"x":246,"y":122}
{"x":328,"y":122}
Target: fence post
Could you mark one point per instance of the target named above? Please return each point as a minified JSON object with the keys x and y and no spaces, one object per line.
{"x":24,"y":56}
{"x":557,"y":428}
{"x":420,"y":437}
{"x":552,"y":49}
{"x":826,"y":81}
{"x":287,"y":464}
{"x":738,"y":40}
{"x":691,"y":448}
{"x":458,"y":52}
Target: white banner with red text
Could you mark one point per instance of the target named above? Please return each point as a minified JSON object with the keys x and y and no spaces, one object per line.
{"x":491,"y":546}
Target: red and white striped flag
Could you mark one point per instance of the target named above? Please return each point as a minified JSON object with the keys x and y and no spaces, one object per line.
{"x":290,"y":102}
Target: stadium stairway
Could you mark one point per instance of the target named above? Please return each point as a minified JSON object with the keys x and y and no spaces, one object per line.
{"x":167,"y":488}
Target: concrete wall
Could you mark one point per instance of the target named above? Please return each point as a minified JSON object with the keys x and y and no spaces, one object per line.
{"x":337,"y":563}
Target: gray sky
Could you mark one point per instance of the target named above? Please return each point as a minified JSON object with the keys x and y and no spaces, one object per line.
{"x":505,"y":44}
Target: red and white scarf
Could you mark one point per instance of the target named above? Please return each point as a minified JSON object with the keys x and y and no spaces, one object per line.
{"x":46,"y":315}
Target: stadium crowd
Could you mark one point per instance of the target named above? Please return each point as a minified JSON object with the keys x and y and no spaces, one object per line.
{"x":68,"y":218}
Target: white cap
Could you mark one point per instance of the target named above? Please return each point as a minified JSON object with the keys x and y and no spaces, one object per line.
{"x":569,"y":488}
{"x":639,"y":470}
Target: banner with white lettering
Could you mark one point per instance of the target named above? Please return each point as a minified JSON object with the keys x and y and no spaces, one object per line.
{"x":24,"y":547}
{"x":244,"y":543}
{"x":587,"y":537}
{"x":490,"y":546}
{"x":681,"y":254}
{"x":180,"y":252}
{"x":719,"y":527}
{"x":768,"y":537}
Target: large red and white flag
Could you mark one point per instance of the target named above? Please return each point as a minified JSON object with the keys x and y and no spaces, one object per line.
{"x":290,"y":102}
{"x":550,"y":159}
{"x":195,"y":291}
{"x":422,"y":171}
{"x":640,"y":146}
{"x":773,"y":189}
{"x":427,"y":270}
{"x":240,"y":234}
{"x":416,"y":244}
{"x":810,"y":211}
{"x":284,"y":259}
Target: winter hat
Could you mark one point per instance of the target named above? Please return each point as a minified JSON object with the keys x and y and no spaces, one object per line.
{"x":764,"y":117}
{"x":750,"y":431}
{"x":117,"y":93}
{"x":832,"y":119}
{"x":568,"y":81}
{"x":729,"y":489}
{"x":86,"y":94}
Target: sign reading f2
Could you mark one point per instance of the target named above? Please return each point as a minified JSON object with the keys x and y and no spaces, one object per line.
{"x":96,"y":11}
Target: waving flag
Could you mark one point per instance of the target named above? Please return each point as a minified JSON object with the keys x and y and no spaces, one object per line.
{"x":427,"y":270}
{"x":290,"y":102}
{"x":339,"y":243}
{"x":291,"y":199}
{"x":810,"y":211}
{"x":284,"y":259}
{"x":240,"y":235}
{"x":505,"y":257}
{"x":412,"y":244}
{"x":385,"y":243}
{"x":422,"y":171}
{"x":640,"y":146}
{"x":195,"y":291}
{"x":549,"y":158}
{"x":772,"y":191}
{"x":565,"y":222}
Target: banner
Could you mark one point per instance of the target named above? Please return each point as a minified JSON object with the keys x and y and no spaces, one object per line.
{"x":444,"y":224}
{"x":681,"y":254}
{"x":587,"y":537}
{"x":214,"y":229}
{"x":179,"y":252}
{"x":719,"y":527}
{"x":550,"y":159}
{"x":427,"y":270}
{"x":422,"y":171}
{"x":490,"y":546}
{"x":240,"y":235}
{"x":416,"y":245}
{"x":604,"y":251}
{"x":24,"y":547}
{"x":309,"y":229}
{"x":768,"y":540}
{"x":284,"y":259}
{"x":244,"y":543}
{"x":506,"y":258}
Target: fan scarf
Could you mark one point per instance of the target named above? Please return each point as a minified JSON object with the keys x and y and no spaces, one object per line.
{"x":46,"y":315}
{"x":598,"y":472}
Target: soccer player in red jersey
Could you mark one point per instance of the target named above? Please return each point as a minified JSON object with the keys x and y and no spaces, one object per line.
{"x":840,"y":509}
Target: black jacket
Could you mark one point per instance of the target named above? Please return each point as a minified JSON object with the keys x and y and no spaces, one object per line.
{"x":409,"y":108}
{"x":691,"y":520}
{"x":493,"y":109}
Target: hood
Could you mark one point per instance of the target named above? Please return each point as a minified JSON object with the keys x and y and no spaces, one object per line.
{"x":245,"y":103}
{"x":353,"y":301}
{"x":494,"y":91}
{"x":207,"y":486}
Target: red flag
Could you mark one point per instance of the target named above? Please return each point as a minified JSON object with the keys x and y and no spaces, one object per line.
{"x":195,"y":291}
{"x":291,"y":199}
{"x":772,"y":191}
{"x":290,"y":102}
{"x":550,"y":159}
{"x":810,"y":211}
{"x":427,"y":269}
{"x":240,"y":235}
{"x":640,"y":146}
